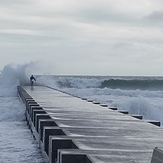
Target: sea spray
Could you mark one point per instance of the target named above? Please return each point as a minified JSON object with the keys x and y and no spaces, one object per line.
{"x":146,"y":101}
{"x":17,"y":143}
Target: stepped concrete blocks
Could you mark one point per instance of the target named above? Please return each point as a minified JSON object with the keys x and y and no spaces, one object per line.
{"x":34,"y":115}
{"x":28,"y":99}
{"x":29,"y":104}
{"x":39,"y":117}
{"x":55,"y":138}
{"x":45,"y":123}
{"x":59,"y":143}
{"x":50,"y":131}
{"x":35,"y":109}
{"x":157,"y":156}
{"x":28,"y":118}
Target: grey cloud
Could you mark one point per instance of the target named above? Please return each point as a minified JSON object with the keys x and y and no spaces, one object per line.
{"x":13,"y":5}
{"x":103,"y":15}
{"x":156,"y":16}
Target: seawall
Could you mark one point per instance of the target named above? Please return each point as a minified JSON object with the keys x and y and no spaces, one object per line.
{"x":71,"y":129}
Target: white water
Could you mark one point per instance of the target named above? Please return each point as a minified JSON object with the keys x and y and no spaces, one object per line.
{"x":17,"y":144}
{"x":147,"y":103}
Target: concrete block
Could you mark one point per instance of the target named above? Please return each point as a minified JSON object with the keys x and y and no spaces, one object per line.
{"x":32,"y":104}
{"x":28,"y":99}
{"x":137,"y":116}
{"x":112,"y":108}
{"x":50,"y":131}
{"x":29,"y":104}
{"x":56,"y":144}
{"x":95,"y":102}
{"x":74,"y":158}
{"x":104,"y":105}
{"x":34,"y":108}
{"x":39,"y":117}
{"x":89,"y":100}
{"x":44,"y":123}
{"x":157,"y":123}
{"x":35,"y":112}
{"x":84,"y":98}
{"x":123,"y":111}
{"x":157,"y":156}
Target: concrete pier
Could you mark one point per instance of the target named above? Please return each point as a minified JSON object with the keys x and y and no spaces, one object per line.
{"x":71,"y":129}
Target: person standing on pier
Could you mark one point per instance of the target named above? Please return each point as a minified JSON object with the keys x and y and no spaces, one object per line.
{"x":32,"y":79}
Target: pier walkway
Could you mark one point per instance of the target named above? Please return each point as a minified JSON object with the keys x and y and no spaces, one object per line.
{"x":72,"y":130}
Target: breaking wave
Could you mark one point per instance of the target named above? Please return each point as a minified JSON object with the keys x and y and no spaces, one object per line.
{"x":124,"y":83}
{"x":147,"y":84}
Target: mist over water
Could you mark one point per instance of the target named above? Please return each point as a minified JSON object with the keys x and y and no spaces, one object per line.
{"x":12,"y":76}
{"x":17,"y":144}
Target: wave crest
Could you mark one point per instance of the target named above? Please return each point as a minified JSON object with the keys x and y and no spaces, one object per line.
{"x":148,"y":84}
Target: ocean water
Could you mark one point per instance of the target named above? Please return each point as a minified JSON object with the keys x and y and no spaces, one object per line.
{"x":138,"y":95}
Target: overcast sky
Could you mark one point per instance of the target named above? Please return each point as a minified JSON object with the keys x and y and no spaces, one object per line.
{"x":84,"y":37}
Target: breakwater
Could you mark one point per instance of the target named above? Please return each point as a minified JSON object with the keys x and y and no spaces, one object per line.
{"x":71,"y":129}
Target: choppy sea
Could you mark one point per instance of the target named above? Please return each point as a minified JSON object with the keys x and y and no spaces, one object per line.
{"x":141,"y":95}
{"x":138,"y":95}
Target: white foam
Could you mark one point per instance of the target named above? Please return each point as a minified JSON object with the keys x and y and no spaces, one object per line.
{"x":147,"y":103}
{"x":17,"y":144}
